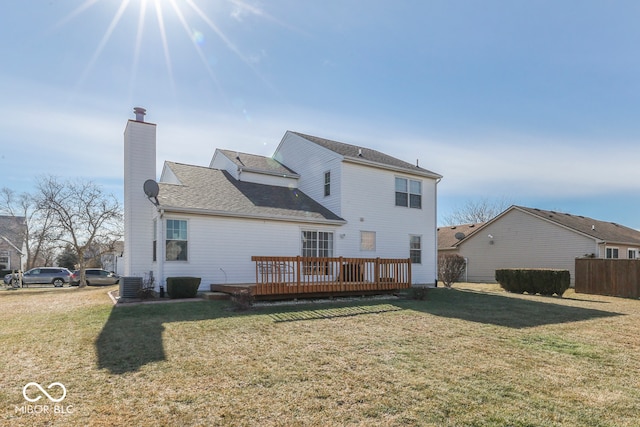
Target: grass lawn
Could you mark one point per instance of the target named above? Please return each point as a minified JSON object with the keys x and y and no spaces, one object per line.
{"x":470,"y":356}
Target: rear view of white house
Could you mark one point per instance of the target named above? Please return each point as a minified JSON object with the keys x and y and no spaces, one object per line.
{"x":313,"y":197}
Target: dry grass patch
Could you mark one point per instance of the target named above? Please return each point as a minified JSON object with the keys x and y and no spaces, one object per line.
{"x":473,"y":355}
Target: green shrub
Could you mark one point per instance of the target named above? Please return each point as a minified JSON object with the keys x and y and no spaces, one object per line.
{"x":534,"y":281}
{"x":183,"y":287}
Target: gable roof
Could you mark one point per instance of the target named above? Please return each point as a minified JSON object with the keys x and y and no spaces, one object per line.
{"x":256,"y":163}
{"x":212,"y":191}
{"x":447,"y":234}
{"x":12,"y":231}
{"x":602,"y":231}
{"x":367,"y":156}
{"x":609,"y":232}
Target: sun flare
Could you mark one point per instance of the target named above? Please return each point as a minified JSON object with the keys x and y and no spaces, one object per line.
{"x":186,"y":14}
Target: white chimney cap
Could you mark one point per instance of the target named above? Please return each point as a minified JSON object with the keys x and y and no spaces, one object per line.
{"x":140,"y":113}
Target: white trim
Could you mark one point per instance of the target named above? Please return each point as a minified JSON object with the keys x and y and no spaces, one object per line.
{"x":606,"y":249}
{"x":210,"y":212}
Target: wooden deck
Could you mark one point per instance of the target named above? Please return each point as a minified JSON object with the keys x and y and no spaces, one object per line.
{"x":293,"y":277}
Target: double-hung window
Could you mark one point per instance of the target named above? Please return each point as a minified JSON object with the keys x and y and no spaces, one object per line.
{"x":176,"y":249}
{"x":612,"y":252}
{"x":408,"y":193}
{"x":327,"y":183}
{"x":415,"y":249}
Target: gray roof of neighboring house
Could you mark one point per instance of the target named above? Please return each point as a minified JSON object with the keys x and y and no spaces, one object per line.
{"x":609,"y":232}
{"x":447,"y":234}
{"x":13,"y":228}
{"x":258,"y":163}
{"x":214,"y":191}
{"x":358,"y":153}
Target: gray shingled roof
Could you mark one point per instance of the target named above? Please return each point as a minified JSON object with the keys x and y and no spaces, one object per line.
{"x":447,"y":234}
{"x":258,"y":163}
{"x":13,"y":229}
{"x":355,"y":152}
{"x":607,"y":231}
{"x":213,"y":190}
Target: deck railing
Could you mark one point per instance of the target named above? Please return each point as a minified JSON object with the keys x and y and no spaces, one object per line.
{"x":302,"y":275}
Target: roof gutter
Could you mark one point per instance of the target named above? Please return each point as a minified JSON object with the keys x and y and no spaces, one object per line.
{"x":264,"y":172}
{"x":361,"y":161}
{"x":211,"y":212}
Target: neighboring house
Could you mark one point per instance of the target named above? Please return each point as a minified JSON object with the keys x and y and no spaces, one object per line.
{"x":13,"y":253}
{"x":450,"y":235}
{"x":112,"y":259}
{"x":522,"y":237}
{"x":313,"y":197}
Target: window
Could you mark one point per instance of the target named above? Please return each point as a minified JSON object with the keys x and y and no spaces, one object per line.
{"x":155,"y":239}
{"x":612,"y":252}
{"x":327,"y":183}
{"x":5,"y":261}
{"x":176,"y":240}
{"x":317,"y":244}
{"x":632,"y":253}
{"x":415,"y":249}
{"x":408,"y":193}
{"x":367,"y":240}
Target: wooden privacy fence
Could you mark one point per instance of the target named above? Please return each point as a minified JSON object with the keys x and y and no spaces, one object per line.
{"x":614,"y":277}
{"x":302,"y":275}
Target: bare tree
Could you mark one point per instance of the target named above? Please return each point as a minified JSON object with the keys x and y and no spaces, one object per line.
{"x":474,"y":212}
{"x":450,"y":268}
{"x":39,"y":236}
{"x":83,"y":213}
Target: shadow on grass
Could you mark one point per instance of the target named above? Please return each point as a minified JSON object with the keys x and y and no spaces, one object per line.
{"x":132,"y":336}
{"x":504,"y":310}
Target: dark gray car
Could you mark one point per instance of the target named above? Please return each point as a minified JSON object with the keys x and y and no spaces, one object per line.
{"x":57,"y":276}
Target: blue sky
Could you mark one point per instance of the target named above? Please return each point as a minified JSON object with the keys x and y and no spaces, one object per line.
{"x":537,"y":102}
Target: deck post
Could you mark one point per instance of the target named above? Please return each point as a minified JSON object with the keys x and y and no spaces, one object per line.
{"x":298,"y":273}
{"x":376,"y":271}
{"x":341,"y":273}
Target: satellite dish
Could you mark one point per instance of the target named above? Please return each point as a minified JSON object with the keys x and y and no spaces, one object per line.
{"x":459,"y":235}
{"x":152,"y":190}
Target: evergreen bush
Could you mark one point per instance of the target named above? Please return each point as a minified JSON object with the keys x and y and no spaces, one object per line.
{"x":183,"y":287}
{"x":534,"y":281}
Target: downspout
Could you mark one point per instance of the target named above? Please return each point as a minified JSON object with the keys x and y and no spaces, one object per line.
{"x":436,"y":229}
{"x":160,"y":251}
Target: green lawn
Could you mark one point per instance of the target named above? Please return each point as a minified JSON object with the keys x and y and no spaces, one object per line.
{"x":471,"y":356}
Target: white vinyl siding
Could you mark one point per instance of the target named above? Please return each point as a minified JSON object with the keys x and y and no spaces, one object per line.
{"x":311,"y":162}
{"x":391,"y":224}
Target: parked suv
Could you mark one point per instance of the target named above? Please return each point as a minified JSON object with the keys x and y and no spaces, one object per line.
{"x":57,"y":276}
{"x":95,"y":276}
